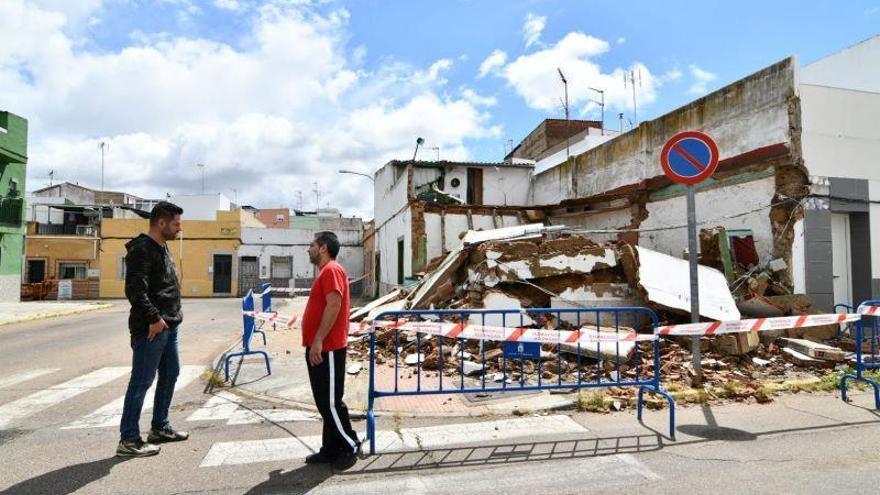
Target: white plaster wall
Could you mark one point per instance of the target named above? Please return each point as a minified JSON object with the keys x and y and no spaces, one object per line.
{"x":856,"y":67}
{"x":502,"y":185}
{"x":841,"y":137}
{"x":459,"y":173}
{"x":295,"y":242}
{"x":599,"y":220}
{"x":264,"y":255}
{"x":506,"y":186}
{"x":202,"y":206}
{"x":798,"y":259}
{"x":432,"y":232}
{"x":710,"y":206}
{"x":455,"y":225}
{"x":386,"y":243}
{"x":510,"y":220}
{"x":482,"y":222}
{"x":388,"y":196}
{"x":874,"y":219}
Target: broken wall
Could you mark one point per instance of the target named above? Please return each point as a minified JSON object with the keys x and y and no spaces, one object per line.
{"x":749,"y":114}
{"x":755,"y":122}
{"x":444,"y":228}
{"x":670,"y":208}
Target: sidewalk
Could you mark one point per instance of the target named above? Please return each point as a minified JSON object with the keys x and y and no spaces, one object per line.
{"x":38,"y":310}
{"x":289,"y":382}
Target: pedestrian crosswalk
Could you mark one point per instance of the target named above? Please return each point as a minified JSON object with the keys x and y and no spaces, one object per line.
{"x":222,"y":406}
{"x":404,"y":439}
{"x":17,"y":410}
{"x":226,"y":408}
{"x":111,"y":414}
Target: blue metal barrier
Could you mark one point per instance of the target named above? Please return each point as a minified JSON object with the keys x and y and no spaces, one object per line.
{"x":589,"y":374}
{"x":850,"y":326}
{"x":247,"y":305}
{"x":266,"y":300}
{"x":861,"y":363}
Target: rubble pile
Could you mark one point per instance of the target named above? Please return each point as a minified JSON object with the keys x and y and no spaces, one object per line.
{"x":534,"y":266}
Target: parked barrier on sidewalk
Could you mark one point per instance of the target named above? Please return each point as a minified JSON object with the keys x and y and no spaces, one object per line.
{"x":870,"y":310}
{"x":422,"y":329}
{"x":247,"y":307}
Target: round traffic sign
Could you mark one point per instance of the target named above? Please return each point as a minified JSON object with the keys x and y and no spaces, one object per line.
{"x":689,"y":157}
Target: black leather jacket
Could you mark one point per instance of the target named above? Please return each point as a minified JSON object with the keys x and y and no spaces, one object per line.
{"x":151,"y":285}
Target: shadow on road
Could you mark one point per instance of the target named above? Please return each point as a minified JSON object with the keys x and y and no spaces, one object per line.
{"x":65,"y":480}
{"x":490,"y":455}
{"x":295,"y":482}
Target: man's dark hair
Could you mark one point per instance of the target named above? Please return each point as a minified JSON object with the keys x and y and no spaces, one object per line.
{"x":165,"y":211}
{"x":330,"y":240}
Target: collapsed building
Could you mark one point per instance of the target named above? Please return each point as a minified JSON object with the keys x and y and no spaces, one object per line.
{"x":790,"y":204}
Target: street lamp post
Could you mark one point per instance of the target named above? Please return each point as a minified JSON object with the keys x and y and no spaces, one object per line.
{"x":103,"y":146}
{"x":356,"y":173}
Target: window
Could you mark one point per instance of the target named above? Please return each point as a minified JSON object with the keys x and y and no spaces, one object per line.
{"x":69,"y":271}
{"x":282,"y":267}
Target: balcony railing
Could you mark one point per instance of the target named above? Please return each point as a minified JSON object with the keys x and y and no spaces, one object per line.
{"x":65,"y":229}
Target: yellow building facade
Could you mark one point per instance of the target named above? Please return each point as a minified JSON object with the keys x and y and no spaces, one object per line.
{"x":205,"y":255}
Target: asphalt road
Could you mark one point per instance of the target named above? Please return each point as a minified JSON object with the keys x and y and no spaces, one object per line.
{"x":61,"y":381}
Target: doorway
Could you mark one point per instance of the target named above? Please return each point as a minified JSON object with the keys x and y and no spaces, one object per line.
{"x":222,"y":274}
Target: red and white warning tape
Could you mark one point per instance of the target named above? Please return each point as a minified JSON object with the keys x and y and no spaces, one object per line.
{"x":475,"y":332}
{"x":755,"y":325}
{"x":869,"y":310}
{"x":553,"y":336}
{"x":284,"y":290}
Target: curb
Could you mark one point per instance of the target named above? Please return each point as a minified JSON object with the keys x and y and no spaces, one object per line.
{"x":58,"y":314}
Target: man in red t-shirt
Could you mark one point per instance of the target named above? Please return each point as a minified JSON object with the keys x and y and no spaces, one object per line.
{"x":325,"y":337}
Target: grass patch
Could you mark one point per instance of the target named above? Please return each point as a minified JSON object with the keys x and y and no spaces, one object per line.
{"x":592,"y":402}
{"x":214,"y":379}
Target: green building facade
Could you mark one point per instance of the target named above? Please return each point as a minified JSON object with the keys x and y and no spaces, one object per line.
{"x":13,"y":161}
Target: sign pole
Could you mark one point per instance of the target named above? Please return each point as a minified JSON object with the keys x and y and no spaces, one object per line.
{"x":695,"y":282}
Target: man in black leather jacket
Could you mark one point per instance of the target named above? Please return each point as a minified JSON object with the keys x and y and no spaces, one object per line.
{"x":153,"y":289}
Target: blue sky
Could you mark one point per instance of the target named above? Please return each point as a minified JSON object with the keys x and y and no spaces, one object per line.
{"x":298,"y":89}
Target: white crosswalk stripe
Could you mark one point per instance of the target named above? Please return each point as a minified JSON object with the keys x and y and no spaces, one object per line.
{"x":227,"y":406}
{"x":111,"y":414}
{"x":22,"y":408}
{"x":219,"y":407}
{"x":25,"y":376}
{"x":247,"y":416}
{"x":432,"y":437}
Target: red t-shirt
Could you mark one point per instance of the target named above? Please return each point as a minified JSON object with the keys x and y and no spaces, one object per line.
{"x":332,"y":278}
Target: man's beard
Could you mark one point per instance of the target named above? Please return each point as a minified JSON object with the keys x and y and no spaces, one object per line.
{"x":314,"y":259}
{"x":169,"y":235}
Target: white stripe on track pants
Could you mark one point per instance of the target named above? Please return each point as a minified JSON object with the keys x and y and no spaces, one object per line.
{"x":328,"y":384}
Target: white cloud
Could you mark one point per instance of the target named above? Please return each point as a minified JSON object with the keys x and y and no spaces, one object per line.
{"x":230,"y":5}
{"x":532,"y":29}
{"x":621,"y":40}
{"x":493,"y":62}
{"x":478,"y":100}
{"x":286,"y":110}
{"x":670,"y":75}
{"x":534,"y":76}
{"x":702,"y":79}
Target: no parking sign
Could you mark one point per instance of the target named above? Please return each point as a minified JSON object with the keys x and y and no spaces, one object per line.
{"x":689,"y":157}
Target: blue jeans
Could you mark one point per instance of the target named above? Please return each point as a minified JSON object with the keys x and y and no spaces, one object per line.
{"x":160,"y":356}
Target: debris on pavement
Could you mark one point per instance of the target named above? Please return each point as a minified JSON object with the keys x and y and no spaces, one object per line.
{"x":538,"y":266}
